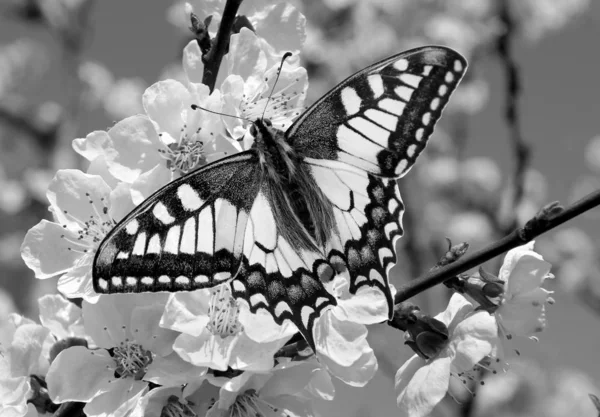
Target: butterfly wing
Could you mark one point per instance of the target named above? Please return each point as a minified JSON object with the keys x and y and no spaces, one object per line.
{"x":188,"y":235}
{"x":380,"y":118}
{"x":275,"y":275}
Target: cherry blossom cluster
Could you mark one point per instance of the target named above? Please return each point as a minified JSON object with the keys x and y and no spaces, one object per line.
{"x":203,"y":353}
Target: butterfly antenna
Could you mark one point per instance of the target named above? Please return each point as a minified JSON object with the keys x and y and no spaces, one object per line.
{"x":285,"y":56}
{"x":197,"y":107}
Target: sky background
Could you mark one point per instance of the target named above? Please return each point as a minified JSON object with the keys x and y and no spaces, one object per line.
{"x":559,"y":108}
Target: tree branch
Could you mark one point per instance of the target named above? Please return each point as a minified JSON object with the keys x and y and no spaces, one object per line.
{"x":521,"y":149}
{"x":212,"y":60}
{"x":548,"y":218}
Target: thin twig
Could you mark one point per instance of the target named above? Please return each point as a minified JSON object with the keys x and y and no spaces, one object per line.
{"x":212,"y":60}
{"x":513,"y":90}
{"x":517,"y":237}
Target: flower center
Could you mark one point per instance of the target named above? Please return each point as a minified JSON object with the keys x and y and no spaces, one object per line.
{"x":489,"y":365}
{"x":249,"y":404}
{"x":186,"y":154}
{"x":175,"y":408}
{"x":223,"y":312}
{"x":92,"y":231}
{"x":131,"y":359}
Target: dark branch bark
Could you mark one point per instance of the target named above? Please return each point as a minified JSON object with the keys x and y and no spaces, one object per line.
{"x":547,"y":219}
{"x":212,"y":60}
{"x":521,"y":150}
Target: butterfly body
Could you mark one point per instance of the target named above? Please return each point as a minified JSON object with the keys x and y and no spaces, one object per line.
{"x":278,"y":220}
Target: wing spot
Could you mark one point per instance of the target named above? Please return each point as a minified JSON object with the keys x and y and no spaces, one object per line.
{"x":410,"y":151}
{"x":390,"y":228}
{"x":281,"y":308}
{"x":427,"y":69}
{"x":162,"y":214}
{"x":411,"y":79}
{"x":132,"y":227}
{"x":376,"y":276}
{"x":116,"y":281}
{"x":401,"y":64}
{"x":320,"y":301}
{"x":401,"y":166}
{"x":201,"y":279}
{"x":164,"y":279}
{"x":221,"y":276}
{"x":147,"y":281}
{"x":123,"y":255}
{"x":131,"y":281}
{"x":305,"y":314}
{"x":405,"y":93}
{"x":256,"y":299}
{"x":384,"y":253}
{"x":140,"y":245}
{"x":376,"y":84}
{"x":238,"y":286}
{"x":359,"y":279}
{"x":369,"y":130}
{"x":182,"y":280}
{"x":449,"y":77}
{"x":435,"y":103}
{"x":188,"y":240}
{"x":443,"y":90}
{"x":426,"y":119}
{"x":102,"y":283}
{"x":419,"y":134}
{"x":350,"y":100}
{"x":392,"y":205}
{"x":458,"y":66}
{"x":190,"y":200}
{"x":392,"y":106}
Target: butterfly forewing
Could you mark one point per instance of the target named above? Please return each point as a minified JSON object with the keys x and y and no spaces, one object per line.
{"x":186,"y":236}
{"x":380,"y":118}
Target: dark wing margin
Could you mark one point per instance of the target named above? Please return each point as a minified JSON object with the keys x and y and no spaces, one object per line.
{"x":380,"y":118}
{"x":188,"y":235}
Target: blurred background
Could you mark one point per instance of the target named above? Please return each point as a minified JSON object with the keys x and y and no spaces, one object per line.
{"x":68,"y":67}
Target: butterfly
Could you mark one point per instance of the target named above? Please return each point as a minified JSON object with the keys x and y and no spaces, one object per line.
{"x":277,"y":221}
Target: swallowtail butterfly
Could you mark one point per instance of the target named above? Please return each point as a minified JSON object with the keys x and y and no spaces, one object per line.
{"x":278,"y":220}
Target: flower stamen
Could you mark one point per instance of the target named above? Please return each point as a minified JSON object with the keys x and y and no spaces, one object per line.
{"x":131,"y":359}
{"x":223,"y":312}
{"x":175,"y":408}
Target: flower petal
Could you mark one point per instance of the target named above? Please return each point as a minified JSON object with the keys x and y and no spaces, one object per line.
{"x":524,"y":314}
{"x":261,"y":326}
{"x":171,"y":370}
{"x":14,"y":393}
{"x":165,"y":102}
{"x":26,"y":350}
{"x":205,"y":350}
{"x":341,"y":341}
{"x":421,"y":386}
{"x":359,"y":373}
{"x":458,"y":308}
{"x":289,"y":380}
{"x":45,"y":252}
{"x":192,"y":62}
{"x":246,"y":58}
{"x":282,"y":26}
{"x":187,"y":312}
{"x":473,"y":339}
{"x":95,"y":145}
{"x":525,"y":272}
{"x":249,"y":355}
{"x":368,"y":306}
{"x":99,"y":167}
{"x":122,"y":397}
{"x":77,"y":283}
{"x":60,"y":316}
{"x":146,"y":184}
{"x":136,"y":144}
{"x":72,"y":190}
{"x":145,"y":324}
{"x":120,"y":201}
{"x":92,"y":369}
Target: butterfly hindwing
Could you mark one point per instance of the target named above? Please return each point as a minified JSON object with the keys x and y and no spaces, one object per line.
{"x":188,"y":235}
{"x":380,"y":118}
{"x":277,"y":277}
{"x":368,"y":212}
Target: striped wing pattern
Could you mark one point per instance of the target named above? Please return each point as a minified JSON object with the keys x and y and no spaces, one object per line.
{"x":186,"y":236}
{"x":380,"y":118}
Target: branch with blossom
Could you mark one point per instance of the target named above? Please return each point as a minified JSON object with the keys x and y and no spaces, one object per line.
{"x":205,"y":353}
